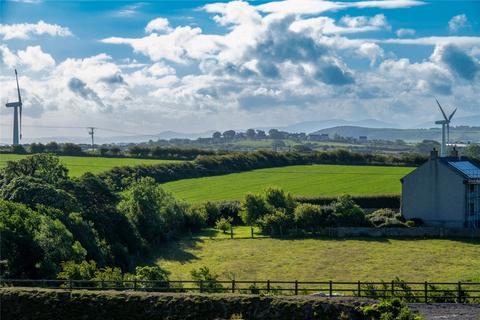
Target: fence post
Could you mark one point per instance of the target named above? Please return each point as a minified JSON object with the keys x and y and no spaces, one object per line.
{"x":296,"y":287}
{"x":393,"y":288}
{"x":251,"y":231}
{"x":459,"y":300}
{"x":103,"y":284}
{"x":268,"y":285}
{"x":330,"y":288}
{"x":135,"y":284}
{"x":426,"y":292}
{"x":231,"y":232}
{"x":71,"y":284}
{"x":201,"y":286}
{"x":233,"y":285}
{"x":359,"y":289}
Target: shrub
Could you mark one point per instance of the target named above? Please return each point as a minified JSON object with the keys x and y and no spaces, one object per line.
{"x":349,"y":214}
{"x":151,"y":276}
{"x":374,"y":201}
{"x":206,"y":280}
{"x":213,"y":213}
{"x":254,"y":207}
{"x":310,"y":217}
{"x":279,"y":199}
{"x":195,"y":218}
{"x":386,"y":218}
{"x":224,"y":224}
{"x":276,"y":223}
{"x":231,"y":209}
{"x":394,"y":309}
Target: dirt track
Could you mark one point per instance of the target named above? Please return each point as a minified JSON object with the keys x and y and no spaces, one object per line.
{"x":437,"y":311}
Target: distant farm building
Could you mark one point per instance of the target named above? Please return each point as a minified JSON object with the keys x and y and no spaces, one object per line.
{"x":443,"y":192}
{"x":362,"y":139}
{"x":318,"y":136}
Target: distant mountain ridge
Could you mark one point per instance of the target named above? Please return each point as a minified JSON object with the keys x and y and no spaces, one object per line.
{"x":411,"y":135}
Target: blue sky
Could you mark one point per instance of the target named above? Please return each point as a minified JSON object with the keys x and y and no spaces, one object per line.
{"x":193,"y":65}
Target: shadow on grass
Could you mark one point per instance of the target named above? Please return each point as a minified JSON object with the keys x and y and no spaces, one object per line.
{"x":180,"y":250}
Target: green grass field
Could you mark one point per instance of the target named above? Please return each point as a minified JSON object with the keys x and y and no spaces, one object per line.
{"x":310,"y":180}
{"x":79,"y":165}
{"x":321,"y":260}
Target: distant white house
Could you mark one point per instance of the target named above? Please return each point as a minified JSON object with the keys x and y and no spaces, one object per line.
{"x":443,"y":192}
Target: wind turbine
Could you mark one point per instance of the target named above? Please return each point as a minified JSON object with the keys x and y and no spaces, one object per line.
{"x":17,"y":123}
{"x":445,"y":125}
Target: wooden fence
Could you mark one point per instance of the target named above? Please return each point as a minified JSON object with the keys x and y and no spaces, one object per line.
{"x":448,"y":292}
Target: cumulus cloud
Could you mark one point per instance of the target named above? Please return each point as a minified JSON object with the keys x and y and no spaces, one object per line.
{"x":458,"y":61}
{"x":79,"y":87}
{"x":457,"y":22}
{"x":158,"y":24}
{"x":26,"y":30}
{"x":404,"y":32}
{"x":347,"y":25}
{"x":372,"y":51}
{"x":180,"y":45}
{"x":33,"y":57}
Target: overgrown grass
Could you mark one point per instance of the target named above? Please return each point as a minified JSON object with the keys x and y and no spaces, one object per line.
{"x":79,"y":165}
{"x":308,"y":180}
{"x":323,"y":259}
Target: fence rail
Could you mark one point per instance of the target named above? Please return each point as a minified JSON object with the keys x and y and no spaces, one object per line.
{"x":449,"y":292}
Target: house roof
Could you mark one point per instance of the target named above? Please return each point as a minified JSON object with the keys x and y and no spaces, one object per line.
{"x":465,"y":167}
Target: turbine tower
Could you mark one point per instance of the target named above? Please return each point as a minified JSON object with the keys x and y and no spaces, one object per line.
{"x":445,"y":129}
{"x":17,"y":122}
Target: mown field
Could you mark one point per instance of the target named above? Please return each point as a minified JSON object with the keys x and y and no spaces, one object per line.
{"x":309,"y":180}
{"x":79,"y":165}
{"x":323,"y":259}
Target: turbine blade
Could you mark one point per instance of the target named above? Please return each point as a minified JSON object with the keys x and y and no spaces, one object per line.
{"x":443,"y":112}
{"x":451,"y":116}
{"x":18,"y":87}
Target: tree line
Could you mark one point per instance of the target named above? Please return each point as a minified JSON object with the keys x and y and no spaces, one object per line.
{"x":136,"y":151}
{"x":211,"y":165}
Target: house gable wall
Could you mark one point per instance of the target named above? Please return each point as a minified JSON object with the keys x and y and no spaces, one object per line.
{"x":436,"y":194}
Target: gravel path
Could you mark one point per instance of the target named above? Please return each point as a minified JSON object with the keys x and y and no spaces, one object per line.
{"x":440,"y":311}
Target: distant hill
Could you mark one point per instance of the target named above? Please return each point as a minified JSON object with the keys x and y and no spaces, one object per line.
{"x":471,"y":121}
{"x":463,"y":134}
{"x":311,"y":126}
{"x":99,"y":138}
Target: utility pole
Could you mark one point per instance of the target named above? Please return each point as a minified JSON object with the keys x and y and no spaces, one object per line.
{"x":91,"y":132}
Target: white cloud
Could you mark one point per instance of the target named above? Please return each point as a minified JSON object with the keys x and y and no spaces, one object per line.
{"x":371,"y":51}
{"x":348,"y":24}
{"x":27,"y":1}
{"x":26,"y":30}
{"x":158,"y":24}
{"x":432,"y":41}
{"x":9,"y":58}
{"x":405,"y":32}
{"x":35,"y":58}
{"x":128,"y":10}
{"x":457,"y":22}
{"x":179,"y":45}
{"x":320,"y":6}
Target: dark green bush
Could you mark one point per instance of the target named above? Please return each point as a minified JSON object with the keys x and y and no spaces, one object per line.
{"x":377,"y":201}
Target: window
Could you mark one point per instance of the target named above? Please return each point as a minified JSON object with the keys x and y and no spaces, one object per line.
{"x":472,"y":208}
{"x":472,"y":187}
